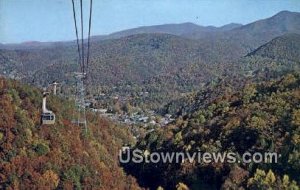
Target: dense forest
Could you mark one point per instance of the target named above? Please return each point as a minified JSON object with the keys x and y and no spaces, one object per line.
{"x":59,"y":156}
{"x":259,"y":117}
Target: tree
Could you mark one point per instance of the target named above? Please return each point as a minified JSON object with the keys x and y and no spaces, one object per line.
{"x":249,"y":92}
{"x":181,"y":186}
{"x":51,"y":179}
{"x":262,"y":180}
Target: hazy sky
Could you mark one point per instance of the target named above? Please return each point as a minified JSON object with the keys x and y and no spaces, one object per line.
{"x":51,"y":20}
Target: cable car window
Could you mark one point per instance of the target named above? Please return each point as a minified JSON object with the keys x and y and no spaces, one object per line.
{"x":47,"y":118}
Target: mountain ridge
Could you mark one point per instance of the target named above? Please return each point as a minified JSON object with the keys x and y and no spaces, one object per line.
{"x":255,"y":33}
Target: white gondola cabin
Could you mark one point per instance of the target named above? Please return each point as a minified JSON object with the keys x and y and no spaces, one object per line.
{"x":47,"y":117}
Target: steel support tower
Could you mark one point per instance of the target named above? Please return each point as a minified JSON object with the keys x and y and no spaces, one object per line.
{"x":80,"y":101}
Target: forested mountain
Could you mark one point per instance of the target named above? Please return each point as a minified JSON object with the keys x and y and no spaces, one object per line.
{"x":259,"y":32}
{"x":270,"y":61}
{"x":282,"y":22}
{"x":259,"y":117}
{"x":165,"y":65}
{"x":247,"y":37}
{"x":253,"y":35}
{"x":140,"y":53}
{"x":59,"y":156}
{"x":286,"y":47}
{"x":255,"y":113}
{"x":189,"y":30}
{"x":145,"y":60}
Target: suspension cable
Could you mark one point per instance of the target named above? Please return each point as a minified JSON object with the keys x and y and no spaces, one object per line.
{"x":89,"y":34}
{"x":77,"y":39}
{"x":82,"y":43}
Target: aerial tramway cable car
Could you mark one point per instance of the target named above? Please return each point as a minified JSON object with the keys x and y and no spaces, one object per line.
{"x":47,"y":117}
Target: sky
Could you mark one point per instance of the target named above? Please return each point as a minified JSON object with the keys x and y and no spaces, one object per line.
{"x":52,"y":20}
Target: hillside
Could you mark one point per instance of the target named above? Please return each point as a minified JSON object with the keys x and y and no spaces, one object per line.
{"x":139,"y":53}
{"x":57,"y":156}
{"x":259,"y":117}
{"x":270,"y":61}
{"x":143,"y":60}
{"x":286,"y":47}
